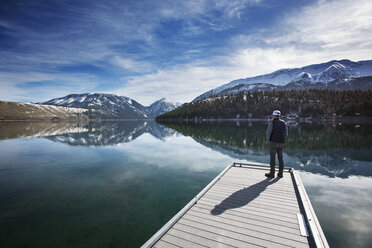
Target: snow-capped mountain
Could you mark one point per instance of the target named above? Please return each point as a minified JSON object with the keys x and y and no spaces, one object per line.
{"x":104,"y":105}
{"x":109,"y":106}
{"x":162,"y":105}
{"x":338,"y":73}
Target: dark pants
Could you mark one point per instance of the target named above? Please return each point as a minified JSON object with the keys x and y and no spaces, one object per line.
{"x":276,"y":148}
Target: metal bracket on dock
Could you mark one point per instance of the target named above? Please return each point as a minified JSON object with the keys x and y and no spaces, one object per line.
{"x":302,"y":224}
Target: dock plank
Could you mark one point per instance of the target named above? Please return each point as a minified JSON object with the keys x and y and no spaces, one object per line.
{"x":282,"y":188}
{"x":163,"y":244}
{"x":263,"y":195}
{"x":180,"y":242}
{"x":243,"y":174}
{"x":256,"y":210}
{"x":226,"y":217}
{"x":204,"y":238}
{"x":249,"y":230}
{"x":237,"y":201}
{"x":255,"y":215}
{"x":228,"y":236}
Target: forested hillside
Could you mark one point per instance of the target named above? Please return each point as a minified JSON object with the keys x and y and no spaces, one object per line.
{"x":309,"y":103}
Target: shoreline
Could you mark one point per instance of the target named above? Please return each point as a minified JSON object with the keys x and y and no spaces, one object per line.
{"x":71,"y":120}
{"x":346,"y":119}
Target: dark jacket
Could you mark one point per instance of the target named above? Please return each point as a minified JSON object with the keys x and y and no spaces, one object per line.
{"x":277,"y":131}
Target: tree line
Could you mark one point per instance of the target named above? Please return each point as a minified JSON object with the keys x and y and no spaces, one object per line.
{"x":258,"y":104}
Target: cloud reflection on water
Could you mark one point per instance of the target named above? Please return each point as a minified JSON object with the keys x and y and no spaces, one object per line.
{"x":178,"y":152}
{"x":345,"y":203}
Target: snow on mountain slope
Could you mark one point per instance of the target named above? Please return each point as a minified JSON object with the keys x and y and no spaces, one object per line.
{"x":312,"y":74}
{"x":162,"y":105}
{"x":106,"y":105}
{"x":30,"y":111}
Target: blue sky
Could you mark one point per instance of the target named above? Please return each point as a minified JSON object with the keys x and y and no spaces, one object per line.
{"x":175,"y":49}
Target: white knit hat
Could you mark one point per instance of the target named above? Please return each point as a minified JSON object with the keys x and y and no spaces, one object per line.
{"x":276,"y":112}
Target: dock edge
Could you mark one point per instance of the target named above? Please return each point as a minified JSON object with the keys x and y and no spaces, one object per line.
{"x":311,"y":218}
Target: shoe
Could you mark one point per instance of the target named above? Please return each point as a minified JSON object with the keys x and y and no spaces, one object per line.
{"x":269,"y":175}
{"x":280,"y":175}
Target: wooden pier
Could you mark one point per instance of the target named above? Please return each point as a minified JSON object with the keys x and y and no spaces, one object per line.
{"x":243,"y":208}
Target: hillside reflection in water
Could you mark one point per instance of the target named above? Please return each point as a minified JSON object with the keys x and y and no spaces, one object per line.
{"x":338,"y":150}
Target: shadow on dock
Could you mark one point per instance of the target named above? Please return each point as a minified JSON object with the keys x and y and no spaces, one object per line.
{"x":243,"y":197}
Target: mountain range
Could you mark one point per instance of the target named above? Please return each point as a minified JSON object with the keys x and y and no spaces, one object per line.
{"x":332,"y":75}
{"x":109,"y":106}
{"x":336,"y":75}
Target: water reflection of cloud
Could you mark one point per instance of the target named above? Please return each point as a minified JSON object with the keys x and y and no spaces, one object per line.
{"x":342,"y":202}
{"x":176,"y":153}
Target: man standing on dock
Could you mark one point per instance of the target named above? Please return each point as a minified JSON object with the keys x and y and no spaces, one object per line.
{"x":276,"y":133}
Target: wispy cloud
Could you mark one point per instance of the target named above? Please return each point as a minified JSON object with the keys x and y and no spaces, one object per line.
{"x":132,"y":65}
{"x":179,"y":83}
{"x":341,"y":27}
{"x":324,"y":31}
{"x":35,"y":86}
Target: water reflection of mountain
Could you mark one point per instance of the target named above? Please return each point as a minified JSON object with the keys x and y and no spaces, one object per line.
{"x":333,"y":150}
{"x":28,"y":129}
{"x":159,"y":131}
{"x":103,"y":134}
{"x":85,"y":134}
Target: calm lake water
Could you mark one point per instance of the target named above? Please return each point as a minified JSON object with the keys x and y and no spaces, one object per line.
{"x":114,"y":184}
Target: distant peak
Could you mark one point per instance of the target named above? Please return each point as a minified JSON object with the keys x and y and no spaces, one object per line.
{"x":163,"y":99}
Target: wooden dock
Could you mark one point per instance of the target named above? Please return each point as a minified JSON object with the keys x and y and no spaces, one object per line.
{"x":243,"y":208}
